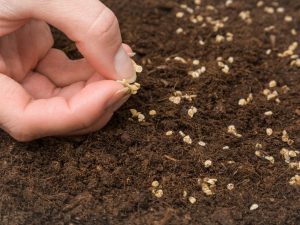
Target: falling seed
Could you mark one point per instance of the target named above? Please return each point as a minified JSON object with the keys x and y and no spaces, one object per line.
{"x":169,"y":133}
{"x":192,"y":200}
{"x":208,"y":163}
{"x":152,"y":112}
{"x":230,"y":186}
{"x":155,"y":183}
{"x":253,"y":207}
{"x":269,"y":131}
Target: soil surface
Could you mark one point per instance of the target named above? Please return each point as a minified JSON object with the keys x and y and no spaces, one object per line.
{"x":106,"y":177}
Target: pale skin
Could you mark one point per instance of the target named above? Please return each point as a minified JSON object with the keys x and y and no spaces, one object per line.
{"x":42,"y":92}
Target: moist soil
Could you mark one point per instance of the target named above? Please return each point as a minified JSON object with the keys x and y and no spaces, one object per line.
{"x":105,"y":177}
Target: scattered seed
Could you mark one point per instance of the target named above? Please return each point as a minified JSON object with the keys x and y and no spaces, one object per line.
{"x":270,"y":158}
{"x":179,"y":30}
{"x":289,"y":51}
{"x":169,"y":133}
{"x":258,"y":145}
{"x":196,"y":62}
{"x":226,"y":148}
{"x":232,"y":130}
{"x":192,"y":200}
{"x":268,"y":113}
{"x":201,"y":143}
{"x":269,"y":10}
{"x":269,"y":131}
{"x":132,"y":88}
{"x":220,"y":38}
{"x":208,"y":163}
{"x":293,"y":32}
{"x":155,"y":184}
{"x":184,"y":194}
{"x":180,"y":59}
{"x":285,"y":138}
{"x":288,"y":19}
{"x":158,"y":193}
{"x":272,"y":95}
{"x":230,"y":186}
{"x":280,"y":10}
{"x":253,"y":207}
{"x":228,"y":3}
{"x":295,"y":181}
{"x":192,"y":111}
{"x":187,"y":139}
{"x":152,"y":112}
{"x":230,"y":60}
{"x":272,"y":84}
{"x":260,"y":4}
{"x":245,"y":16}
{"x":179,"y":14}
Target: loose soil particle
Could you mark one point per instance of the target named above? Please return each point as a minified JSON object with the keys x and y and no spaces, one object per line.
{"x":105,"y":177}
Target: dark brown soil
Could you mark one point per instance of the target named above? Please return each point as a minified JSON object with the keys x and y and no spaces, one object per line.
{"x":105,"y":177}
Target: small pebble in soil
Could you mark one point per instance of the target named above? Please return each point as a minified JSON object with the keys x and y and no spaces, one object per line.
{"x":230,"y":186}
{"x":192,"y":200}
{"x":269,"y":131}
{"x":208,"y":163}
{"x":152,"y":112}
{"x":254,"y":207}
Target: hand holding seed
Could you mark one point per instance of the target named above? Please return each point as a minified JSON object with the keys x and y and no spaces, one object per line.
{"x":43,"y":93}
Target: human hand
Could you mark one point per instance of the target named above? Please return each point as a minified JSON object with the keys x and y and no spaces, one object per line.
{"x":42,"y":92}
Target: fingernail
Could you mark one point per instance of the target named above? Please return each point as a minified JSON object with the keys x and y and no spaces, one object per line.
{"x":124,"y":66}
{"x":117,"y":99}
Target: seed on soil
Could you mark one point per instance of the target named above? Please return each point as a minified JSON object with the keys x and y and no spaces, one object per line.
{"x":270,"y":159}
{"x":230,"y":59}
{"x":187,"y":139}
{"x":179,"y":30}
{"x":208,"y":185}
{"x":152,"y":112}
{"x":268,"y":52}
{"x":180,"y":59}
{"x":192,"y":111}
{"x":179,"y":14}
{"x":192,"y":200}
{"x":230,"y":186}
{"x":289,"y":51}
{"x":220,"y":38}
{"x":272,"y":84}
{"x":158,"y":193}
{"x":155,"y":184}
{"x":184,"y":194}
{"x":258,"y":145}
{"x":208,"y":163}
{"x":253,"y":207}
{"x":267,"y":157}
{"x":285,"y":89}
{"x":138,"y":115}
{"x":169,"y":133}
{"x":245,"y":16}
{"x":272,"y":95}
{"x":293,"y":32}
{"x":269,"y":10}
{"x":296,"y":63}
{"x":295,"y":181}
{"x":294,"y":165}
{"x":280,"y":10}
{"x":226,"y":148}
{"x":232,"y":130}
{"x":269,"y":131}
{"x":288,"y":19}
{"x":285,"y":138}
{"x":259,"y":4}
{"x":196,"y":62}
{"x":268,"y":113}
{"x":201,"y":143}
{"x":288,"y":154}
{"x":243,"y":102}
{"x":228,"y":3}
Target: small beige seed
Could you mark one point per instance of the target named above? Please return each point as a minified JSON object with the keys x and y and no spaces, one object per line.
{"x":169,"y":133}
{"x":155,"y":183}
{"x":152,"y":112}
{"x":254,"y":207}
{"x":192,"y":200}
{"x":269,"y":131}
{"x":187,"y":139}
{"x":272,"y":84}
{"x":208,"y":163}
{"x":159,"y":193}
{"x":179,"y":14}
{"x":230,"y":186}
{"x":201,"y":143}
{"x":268,"y":113}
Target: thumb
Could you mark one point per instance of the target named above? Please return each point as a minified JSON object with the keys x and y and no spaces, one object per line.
{"x":93,"y":27}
